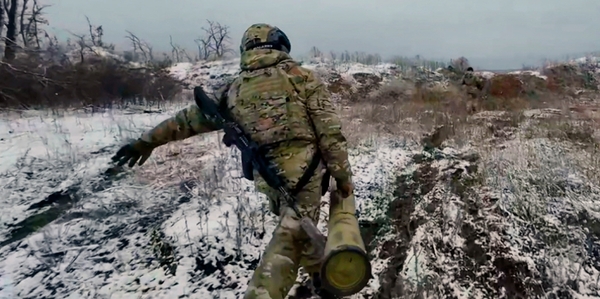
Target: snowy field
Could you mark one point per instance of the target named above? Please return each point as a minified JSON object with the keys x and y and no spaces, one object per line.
{"x":519,"y":218}
{"x":73,"y":226}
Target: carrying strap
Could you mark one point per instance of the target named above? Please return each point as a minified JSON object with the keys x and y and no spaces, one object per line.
{"x":309,"y":173}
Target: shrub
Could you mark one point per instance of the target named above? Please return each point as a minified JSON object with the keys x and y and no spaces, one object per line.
{"x":505,"y":86}
{"x":30,"y":82}
{"x":564,"y":76}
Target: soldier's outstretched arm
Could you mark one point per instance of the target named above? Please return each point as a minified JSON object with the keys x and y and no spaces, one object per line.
{"x":328,"y":128}
{"x":186,"y":123}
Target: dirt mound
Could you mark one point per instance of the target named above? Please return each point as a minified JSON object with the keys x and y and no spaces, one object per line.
{"x":337,"y":85}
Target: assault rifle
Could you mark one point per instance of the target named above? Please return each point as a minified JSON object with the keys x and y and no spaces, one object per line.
{"x":251,"y":153}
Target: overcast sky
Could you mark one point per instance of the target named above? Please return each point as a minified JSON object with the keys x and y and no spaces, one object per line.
{"x":496,"y":34}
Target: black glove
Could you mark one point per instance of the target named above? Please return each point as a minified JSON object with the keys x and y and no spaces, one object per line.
{"x":132,"y":152}
{"x":227,"y":140}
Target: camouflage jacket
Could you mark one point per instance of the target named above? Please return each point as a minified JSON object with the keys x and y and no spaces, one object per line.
{"x":469,"y":79}
{"x":314,"y":98}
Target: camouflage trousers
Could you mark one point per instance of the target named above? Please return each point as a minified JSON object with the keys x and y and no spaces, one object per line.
{"x":289,"y":247}
{"x":473,"y":98}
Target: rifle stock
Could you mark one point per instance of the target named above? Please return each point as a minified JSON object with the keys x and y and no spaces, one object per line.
{"x":318,"y":239}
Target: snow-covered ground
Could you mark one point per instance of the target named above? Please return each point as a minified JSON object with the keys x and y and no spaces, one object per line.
{"x":518,"y":219}
{"x":75,"y":226}
{"x":72,"y":228}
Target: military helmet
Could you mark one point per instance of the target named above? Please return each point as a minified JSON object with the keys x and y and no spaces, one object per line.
{"x":264,"y":36}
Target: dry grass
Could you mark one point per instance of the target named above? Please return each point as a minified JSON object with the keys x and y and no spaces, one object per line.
{"x":175,"y":163}
{"x":402,"y":109}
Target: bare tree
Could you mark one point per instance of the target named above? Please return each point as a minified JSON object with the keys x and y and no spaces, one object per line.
{"x":140,"y":45}
{"x":315,"y":52}
{"x":347,"y":56}
{"x":22,"y":23}
{"x":54,"y":50}
{"x":1,"y":17}
{"x":35,"y":20}
{"x":96,"y":33}
{"x":204,"y":51}
{"x":30,"y":19}
{"x":91,"y":30}
{"x":82,"y":45}
{"x":177,"y":52}
{"x":10,"y":48}
{"x":219,"y":34}
{"x":174,"y":50}
{"x":372,"y":59}
{"x":460,"y":64}
{"x":186,"y":55}
{"x":333,"y":55}
{"x":215,"y":43}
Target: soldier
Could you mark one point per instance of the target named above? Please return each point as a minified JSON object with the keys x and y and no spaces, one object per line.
{"x":473,"y":85}
{"x":287,"y":110}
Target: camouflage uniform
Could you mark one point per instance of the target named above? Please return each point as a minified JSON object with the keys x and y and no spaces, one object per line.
{"x":473,"y":85}
{"x":289,"y":110}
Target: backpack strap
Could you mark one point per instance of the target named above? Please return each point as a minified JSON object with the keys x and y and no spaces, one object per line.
{"x":309,"y":173}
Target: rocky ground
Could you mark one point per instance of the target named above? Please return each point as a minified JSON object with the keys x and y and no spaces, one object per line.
{"x":503,"y":204}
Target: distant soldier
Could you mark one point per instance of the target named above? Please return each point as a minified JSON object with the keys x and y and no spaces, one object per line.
{"x":473,"y":86}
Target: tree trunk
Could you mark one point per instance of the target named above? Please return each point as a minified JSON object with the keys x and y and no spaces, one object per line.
{"x":1,"y":16}
{"x":10,"y":49}
{"x":22,"y":27}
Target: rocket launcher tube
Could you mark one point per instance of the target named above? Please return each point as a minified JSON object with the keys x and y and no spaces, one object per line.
{"x":346,"y":269}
